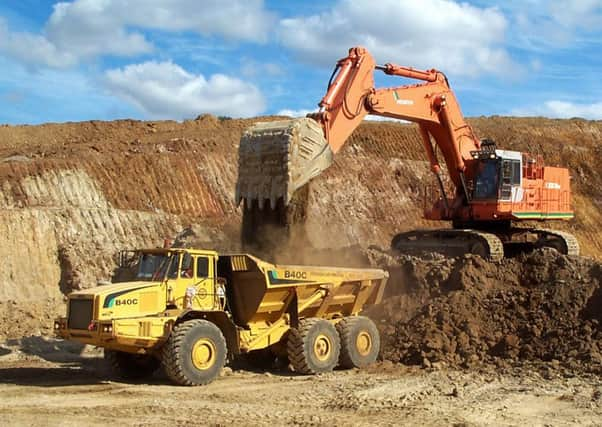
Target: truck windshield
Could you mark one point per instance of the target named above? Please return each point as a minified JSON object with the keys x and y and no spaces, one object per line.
{"x":148,"y":264}
{"x":166,"y":263}
{"x":174,"y":264}
{"x":486,"y":180}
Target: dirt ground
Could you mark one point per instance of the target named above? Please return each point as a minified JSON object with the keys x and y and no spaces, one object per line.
{"x":46,"y":382}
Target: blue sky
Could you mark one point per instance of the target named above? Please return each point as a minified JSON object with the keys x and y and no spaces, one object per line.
{"x":175,"y":59}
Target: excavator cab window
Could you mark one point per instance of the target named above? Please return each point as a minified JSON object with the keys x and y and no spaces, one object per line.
{"x":511,"y":170}
{"x":487,"y":179}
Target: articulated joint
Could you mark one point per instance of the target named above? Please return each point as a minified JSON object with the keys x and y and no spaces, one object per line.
{"x":439,"y":102}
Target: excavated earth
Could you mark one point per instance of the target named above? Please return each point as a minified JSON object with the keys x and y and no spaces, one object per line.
{"x":516,"y":342}
{"x":540,"y":307}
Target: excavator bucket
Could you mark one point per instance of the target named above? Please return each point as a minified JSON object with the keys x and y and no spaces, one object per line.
{"x":277,"y":158}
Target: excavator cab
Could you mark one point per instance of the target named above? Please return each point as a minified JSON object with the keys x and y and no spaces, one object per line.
{"x":498,"y":173}
{"x":486,"y":180}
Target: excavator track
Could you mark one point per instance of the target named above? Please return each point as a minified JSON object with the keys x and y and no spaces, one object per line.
{"x":450,"y":242}
{"x":570,"y":242}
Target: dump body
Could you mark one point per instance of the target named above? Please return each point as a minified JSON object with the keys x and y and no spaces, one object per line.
{"x":263,"y":295}
{"x":254,"y":302}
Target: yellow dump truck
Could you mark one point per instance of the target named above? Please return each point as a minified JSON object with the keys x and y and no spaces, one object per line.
{"x":192,"y":310}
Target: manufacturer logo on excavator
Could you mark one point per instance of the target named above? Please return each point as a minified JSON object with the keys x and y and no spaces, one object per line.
{"x":400,"y":101}
{"x":552,"y":186}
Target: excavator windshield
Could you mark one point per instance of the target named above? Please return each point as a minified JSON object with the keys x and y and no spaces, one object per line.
{"x":487,"y":179}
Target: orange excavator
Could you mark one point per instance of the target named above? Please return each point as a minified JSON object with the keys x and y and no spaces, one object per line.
{"x":493,"y":188}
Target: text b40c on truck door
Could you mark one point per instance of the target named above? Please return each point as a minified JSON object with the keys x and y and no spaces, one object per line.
{"x":126,"y":301}
{"x":288,"y":274}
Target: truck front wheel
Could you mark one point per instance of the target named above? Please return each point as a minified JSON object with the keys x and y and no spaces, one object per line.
{"x":314,"y":346}
{"x":195,"y":353}
{"x":129,"y":366}
{"x":360,"y":341}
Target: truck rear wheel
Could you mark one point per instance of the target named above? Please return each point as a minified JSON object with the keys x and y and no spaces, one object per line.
{"x":360,"y":341}
{"x":314,"y":346}
{"x":129,"y":366}
{"x":195,"y":353}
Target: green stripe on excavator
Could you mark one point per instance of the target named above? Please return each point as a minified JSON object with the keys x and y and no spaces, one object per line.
{"x":539,"y":215}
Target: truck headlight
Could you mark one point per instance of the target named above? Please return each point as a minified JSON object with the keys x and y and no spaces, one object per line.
{"x":60,"y":324}
{"x":107,"y":328}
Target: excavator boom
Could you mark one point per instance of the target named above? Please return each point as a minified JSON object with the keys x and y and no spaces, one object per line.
{"x":277,"y":158}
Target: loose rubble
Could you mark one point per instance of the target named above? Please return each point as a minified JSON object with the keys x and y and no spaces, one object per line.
{"x":542,"y":306}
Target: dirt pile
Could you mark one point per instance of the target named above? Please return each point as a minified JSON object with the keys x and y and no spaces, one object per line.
{"x":541,"y":306}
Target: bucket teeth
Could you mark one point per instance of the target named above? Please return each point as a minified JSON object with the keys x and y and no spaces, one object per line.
{"x":277,"y":158}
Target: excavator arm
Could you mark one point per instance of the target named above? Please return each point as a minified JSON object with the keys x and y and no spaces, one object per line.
{"x":432,"y":105}
{"x":277,"y":158}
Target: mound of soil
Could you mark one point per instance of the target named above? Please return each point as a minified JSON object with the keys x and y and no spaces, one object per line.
{"x":541,"y":306}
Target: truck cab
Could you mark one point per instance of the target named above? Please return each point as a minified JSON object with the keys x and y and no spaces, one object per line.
{"x":164,"y":280}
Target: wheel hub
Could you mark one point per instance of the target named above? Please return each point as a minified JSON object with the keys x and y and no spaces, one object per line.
{"x":322,"y":347}
{"x":363,"y":343}
{"x":203,"y":354}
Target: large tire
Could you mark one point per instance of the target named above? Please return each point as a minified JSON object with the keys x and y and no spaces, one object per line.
{"x":360,"y":342}
{"x":314,"y":346}
{"x":195,"y":353}
{"x":129,"y":366}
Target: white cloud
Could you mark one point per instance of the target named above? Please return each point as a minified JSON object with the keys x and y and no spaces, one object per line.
{"x":31,"y":49}
{"x":166,"y":90}
{"x":294,"y":113}
{"x":541,"y":24}
{"x":586,"y":14}
{"x":371,"y":118}
{"x":454,"y":37}
{"x":87,"y":28}
{"x":562,"y":110}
